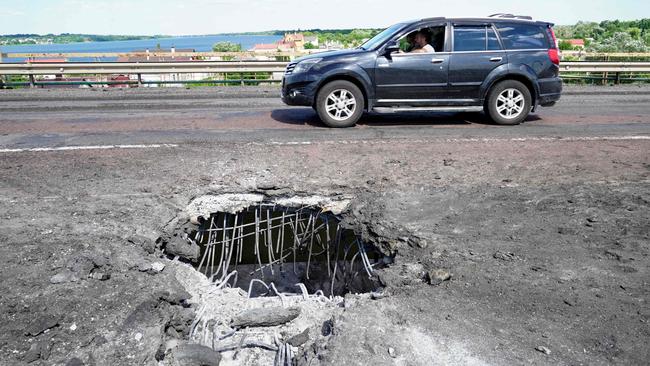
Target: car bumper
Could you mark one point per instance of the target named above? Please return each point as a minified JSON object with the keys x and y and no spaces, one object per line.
{"x":298,"y":90}
{"x":550,"y":91}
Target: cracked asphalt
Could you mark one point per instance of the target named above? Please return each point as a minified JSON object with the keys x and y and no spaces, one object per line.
{"x":543,"y":227}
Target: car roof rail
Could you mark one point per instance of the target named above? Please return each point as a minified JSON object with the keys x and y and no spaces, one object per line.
{"x":510,"y":16}
{"x":433,"y":18}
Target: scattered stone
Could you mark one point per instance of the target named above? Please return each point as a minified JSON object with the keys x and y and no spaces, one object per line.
{"x":180,"y":247}
{"x":147,"y":244}
{"x":419,"y":242}
{"x":327,"y":328}
{"x":64,"y":277}
{"x":144,"y":267}
{"x":138,"y":337}
{"x":507,"y":256}
{"x":448,"y":162}
{"x":543,"y":350}
{"x":265,"y":317}
{"x":175,"y":297}
{"x":74,"y":362}
{"x":193,"y":354}
{"x":299,"y":339}
{"x":391,"y":352}
{"x":157,"y":266}
{"x":378,"y":295}
{"x":180,"y":322}
{"x":38,"y":350}
{"x":73,"y":327}
{"x":42,"y":324}
{"x":438,"y":276}
{"x":101,"y":276}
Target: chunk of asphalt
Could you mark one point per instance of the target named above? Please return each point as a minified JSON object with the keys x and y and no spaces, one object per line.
{"x":41,"y":324}
{"x":187,"y":354}
{"x":179,"y":247}
{"x":74,"y":362}
{"x":299,"y":339}
{"x":64,"y":277}
{"x":265,"y":317}
{"x":438,"y":276}
{"x":37,"y":350}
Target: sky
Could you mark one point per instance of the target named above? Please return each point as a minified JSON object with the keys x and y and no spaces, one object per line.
{"x":190,"y":17}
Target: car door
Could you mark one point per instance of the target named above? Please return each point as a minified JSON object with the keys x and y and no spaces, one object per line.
{"x":411,"y":78}
{"x":476,"y":52}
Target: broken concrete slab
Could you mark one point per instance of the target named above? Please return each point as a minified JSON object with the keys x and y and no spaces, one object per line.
{"x":265,"y":317}
{"x":188,"y":354}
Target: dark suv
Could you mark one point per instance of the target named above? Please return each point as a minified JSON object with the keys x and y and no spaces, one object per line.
{"x":504,"y":65}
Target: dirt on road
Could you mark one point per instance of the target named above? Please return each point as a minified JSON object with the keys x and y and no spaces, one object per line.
{"x":504,"y":250}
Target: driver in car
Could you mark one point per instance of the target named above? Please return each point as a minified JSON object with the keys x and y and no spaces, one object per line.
{"x":422,"y":45}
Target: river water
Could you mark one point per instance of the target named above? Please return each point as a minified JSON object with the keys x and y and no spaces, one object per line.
{"x":197,"y":43}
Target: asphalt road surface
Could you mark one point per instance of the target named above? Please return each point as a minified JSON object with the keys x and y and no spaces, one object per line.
{"x":49,"y":118}
{"x":543,"y":229}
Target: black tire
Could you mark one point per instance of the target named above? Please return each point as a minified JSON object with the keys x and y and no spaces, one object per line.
{"x":348,"y":116}
{"x":505,"y":111}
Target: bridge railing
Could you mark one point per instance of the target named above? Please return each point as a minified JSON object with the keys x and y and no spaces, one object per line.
{"x":246,"y":72}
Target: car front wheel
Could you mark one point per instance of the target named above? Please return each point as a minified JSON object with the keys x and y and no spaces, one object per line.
{"x":509,"y":103}
{"x":340,"y":104}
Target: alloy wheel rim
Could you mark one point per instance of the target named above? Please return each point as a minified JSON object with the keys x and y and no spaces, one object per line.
{"x":340,"y":104}
{"x":510,"y":103}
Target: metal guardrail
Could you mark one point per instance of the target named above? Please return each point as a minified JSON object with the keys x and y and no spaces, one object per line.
{"x":605,"y":67}
{"x":103,"y":68}
{"x":567,"y":69}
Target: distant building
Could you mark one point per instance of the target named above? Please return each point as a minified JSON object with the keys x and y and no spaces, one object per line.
{"x":332,"y":45}
{"x":291,"y":42}
{"x":578,"y":43}
{"x":312,"y":39}
{"x":146,"y":55}
{"x":265,"y":48}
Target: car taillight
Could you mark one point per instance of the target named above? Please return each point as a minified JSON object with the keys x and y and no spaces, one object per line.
{"x":554,"y":55}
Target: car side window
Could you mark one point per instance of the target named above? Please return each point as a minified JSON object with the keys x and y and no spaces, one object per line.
{"x":469,"y":38}
{"x":433,"y":36}
{"x":492,"y":40}
{"x":522,"y":36}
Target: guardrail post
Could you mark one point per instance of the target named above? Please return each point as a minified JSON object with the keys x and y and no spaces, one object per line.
{"x":618,"y":78}
{"x":32,"y":82}
{"x":2,"y":77}
{"x":139,"y":80}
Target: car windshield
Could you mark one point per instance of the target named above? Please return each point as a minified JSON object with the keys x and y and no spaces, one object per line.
{"x":381,"y":37}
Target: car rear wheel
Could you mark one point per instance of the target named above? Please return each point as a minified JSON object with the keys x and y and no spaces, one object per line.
{"x":509,"y":103}
{"x":340,"y":104}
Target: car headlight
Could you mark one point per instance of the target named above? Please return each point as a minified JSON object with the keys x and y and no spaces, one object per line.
{"x":304,"y":66}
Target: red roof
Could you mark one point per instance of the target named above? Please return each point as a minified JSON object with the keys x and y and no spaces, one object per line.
{"x":265,"y":46}
{"x":576,"y":42}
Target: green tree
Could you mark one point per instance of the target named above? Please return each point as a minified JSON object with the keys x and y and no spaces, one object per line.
{"x":310,"y":46}
{"x":565,"y":45}
{"x":619,"y":42}
{"x":634,"y":32}
{"x":226,"y":47}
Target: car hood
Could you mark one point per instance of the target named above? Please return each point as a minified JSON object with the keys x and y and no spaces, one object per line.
{"x":331,"y":54}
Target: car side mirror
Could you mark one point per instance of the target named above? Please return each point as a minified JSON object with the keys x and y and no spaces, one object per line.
{"x":392,"y":46}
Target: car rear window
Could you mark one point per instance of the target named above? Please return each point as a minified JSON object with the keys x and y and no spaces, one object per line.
{"x":522,"y":36}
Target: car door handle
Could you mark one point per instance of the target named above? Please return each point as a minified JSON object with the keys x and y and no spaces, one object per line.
{"x":496,"y":59}
{"x":383,"y":65}
{"x":437,"y":60}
